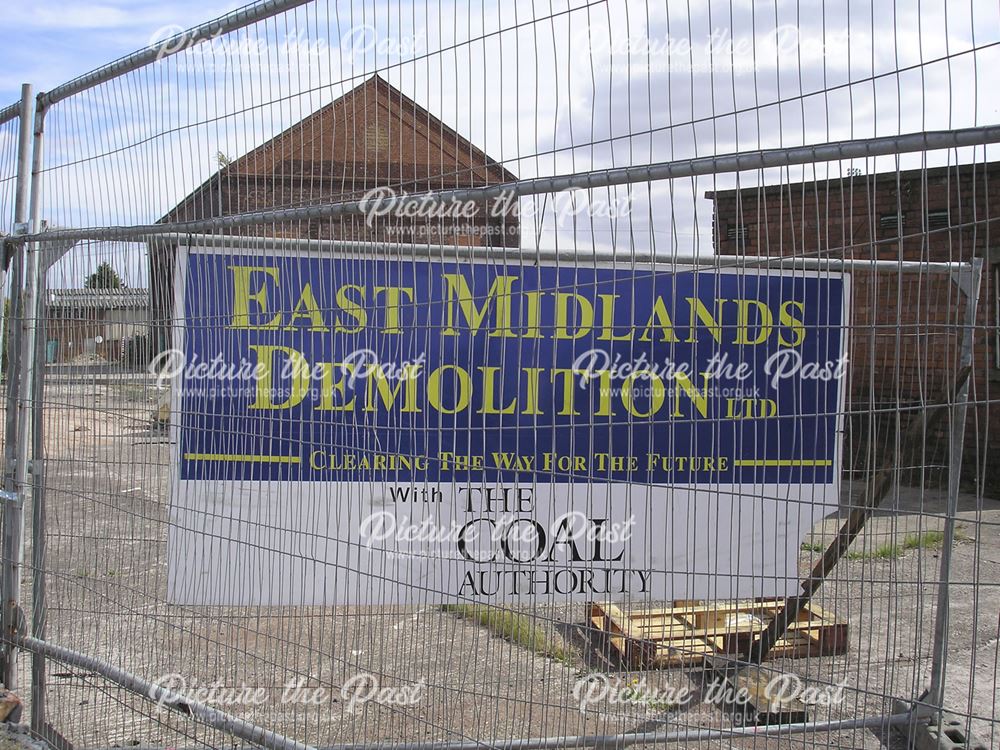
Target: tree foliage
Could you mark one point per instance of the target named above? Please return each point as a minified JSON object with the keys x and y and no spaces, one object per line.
{"x":105,"y":277}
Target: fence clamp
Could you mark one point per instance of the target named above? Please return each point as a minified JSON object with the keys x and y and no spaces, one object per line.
{"x":14,"y":498}
{"x":18,"y":629}
{"x":22,"y":228}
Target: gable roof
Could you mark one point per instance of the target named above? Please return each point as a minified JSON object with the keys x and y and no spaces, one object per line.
{"x":372,"y":136}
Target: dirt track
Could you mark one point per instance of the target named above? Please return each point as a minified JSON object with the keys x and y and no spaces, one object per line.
{"x":106,"y":574}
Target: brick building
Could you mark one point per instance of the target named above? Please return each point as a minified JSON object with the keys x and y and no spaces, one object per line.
{"x":904,"y":324}
{"x":94,"y":322}
{"x":371,"y":137}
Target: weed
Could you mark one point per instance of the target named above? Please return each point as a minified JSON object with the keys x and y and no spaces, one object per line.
{"x":890,"y":550}
{"x":513,"y":627}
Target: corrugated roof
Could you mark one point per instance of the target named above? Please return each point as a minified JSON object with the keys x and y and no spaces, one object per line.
{"x":103,"y":299}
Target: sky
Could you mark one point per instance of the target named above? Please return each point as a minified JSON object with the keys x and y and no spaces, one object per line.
{"x":545,"y":87}
{"x":57,"y":40}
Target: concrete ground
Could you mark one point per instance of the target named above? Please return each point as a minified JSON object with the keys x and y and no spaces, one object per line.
{"x":106,"y":576}
{"x":18,"y":737}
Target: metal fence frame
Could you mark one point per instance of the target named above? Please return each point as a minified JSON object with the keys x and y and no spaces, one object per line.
{"x":15,"y":458}
{"x":37,"y":247}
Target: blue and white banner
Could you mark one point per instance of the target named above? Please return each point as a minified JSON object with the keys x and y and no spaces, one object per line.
{"x":375,"y":431}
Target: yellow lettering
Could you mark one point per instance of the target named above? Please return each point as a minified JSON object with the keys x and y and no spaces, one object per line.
{"x":661,"y":319}
{"x":608,"y":319}
{"x":393,"y":297}
{"x":307,"y":308}
{"x":699,"y":399}
{"x":583,"y":318}
{"x":568,"y":390}
{"x":702,"y":313}
{"x":464,"y":389}
{"x":407,"y":380}
{"x":242,"y":296}
{"x":743,"y":322}
{"x":300,"y":377}
{"x":534,"y":315}
{"x":351,"y":307}
{"x":604,"y":394}
{"x":460,"y":293}
{"x":328,"y":387}
{"x":489,"y":407}
{"x":657,"y":393}
{"x":786,"y":318}
{"x":531,"y":401}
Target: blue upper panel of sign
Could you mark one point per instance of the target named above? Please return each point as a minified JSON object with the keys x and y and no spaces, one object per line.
{"x":304,"y":368}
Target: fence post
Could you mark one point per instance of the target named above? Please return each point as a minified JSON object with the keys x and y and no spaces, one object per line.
{"x":13,"y":499}
{"x":28,"y":444}
{"x":968,"y":281}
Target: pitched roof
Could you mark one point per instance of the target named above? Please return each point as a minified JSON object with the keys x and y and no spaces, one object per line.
{"x":374,"y":135}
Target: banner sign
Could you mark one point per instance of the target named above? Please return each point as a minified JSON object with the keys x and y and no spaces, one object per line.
{"x":376,"y":431}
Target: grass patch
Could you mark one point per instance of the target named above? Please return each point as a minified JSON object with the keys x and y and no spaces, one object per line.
{"x":636,"y":695}
{"x":891,"y":550}
{"x":882,"y":552}
{"x":926,"y":539}
{"x":513,"y":627}
{"x":813,"y":546}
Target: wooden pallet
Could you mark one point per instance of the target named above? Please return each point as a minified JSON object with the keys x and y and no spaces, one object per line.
{"x":687,"y":632}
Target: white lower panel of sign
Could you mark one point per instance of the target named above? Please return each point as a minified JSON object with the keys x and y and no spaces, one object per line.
{"x":273,"y":543}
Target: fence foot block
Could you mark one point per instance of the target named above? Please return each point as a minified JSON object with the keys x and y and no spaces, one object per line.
{"x":950,"y":734}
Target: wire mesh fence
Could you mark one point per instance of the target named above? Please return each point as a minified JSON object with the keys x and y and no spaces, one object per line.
{"x":513,"y":375}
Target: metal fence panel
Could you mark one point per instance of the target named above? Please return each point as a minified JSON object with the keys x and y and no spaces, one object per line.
{"x":318,"y":180}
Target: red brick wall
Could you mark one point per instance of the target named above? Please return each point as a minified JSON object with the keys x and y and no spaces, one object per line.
{"x":905,"y":324}
{"x":372,"y":137}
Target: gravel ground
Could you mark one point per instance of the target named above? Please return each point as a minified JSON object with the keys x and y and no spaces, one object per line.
{"x":106,"y":578}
